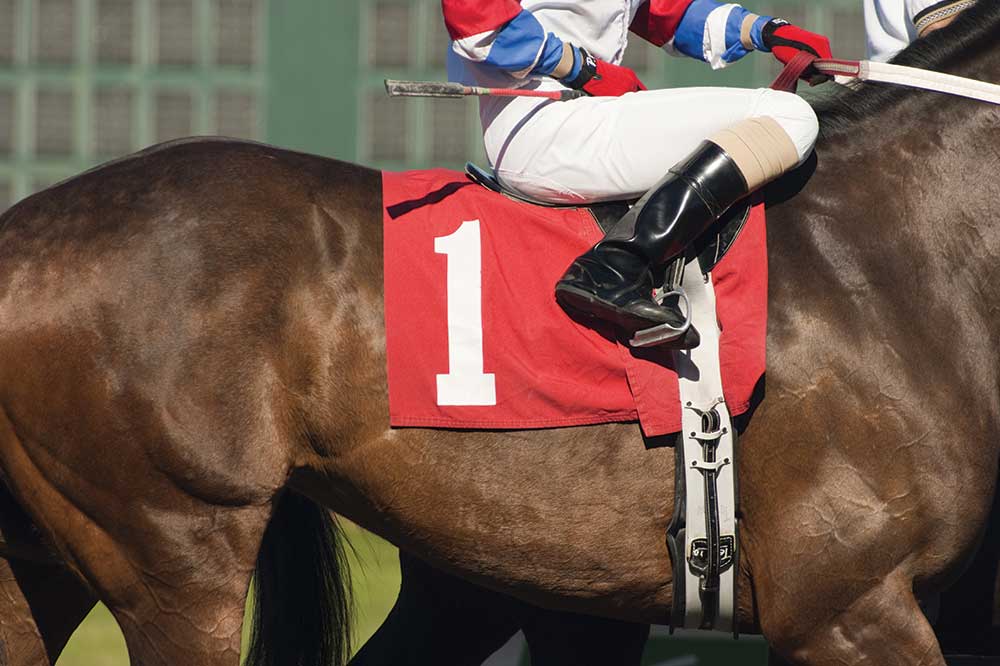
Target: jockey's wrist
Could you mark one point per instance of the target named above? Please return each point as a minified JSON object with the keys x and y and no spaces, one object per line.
{"x":767,"y":33}
{"x":751,"y":32}
{"x":569,"y":65}
{"x":584,"y":69}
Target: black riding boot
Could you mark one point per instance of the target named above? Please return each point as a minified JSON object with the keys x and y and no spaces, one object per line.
{"x":612,"y":281}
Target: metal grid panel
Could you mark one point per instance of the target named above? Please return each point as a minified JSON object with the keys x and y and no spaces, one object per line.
{"x":847,"y":34}
{"x":54,"y":122}
{"x":449,"y":138}
{"x":237,"y":28}
{"x":55,"y":31}
{"x":407,"y":39}
{"x":7,"y":100}
{"x":438,"y":41}
{"x":84,"y":80}
{"x":236,"y":114}
{"x":40,"y":183}
{"x":113,"y":121}
{"x":8,"y":23}
{"x":640,"y":54}
{"x":389,"y":41}
{"x":388,"y":138}
{"x":115,"y":31}
{"x":175,"y":39}
{"x":174,"y":115}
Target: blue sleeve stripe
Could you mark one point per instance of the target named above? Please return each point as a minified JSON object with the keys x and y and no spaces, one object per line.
{"x":733,"y":25}
{"x":552,"y":53}
{"x":711,"y":32}
{"x":690,"y":36}
{"x":734,"y":44}
{"x":522,"y":46}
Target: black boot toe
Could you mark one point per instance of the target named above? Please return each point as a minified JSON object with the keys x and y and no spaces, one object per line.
{"x":631,"y":311}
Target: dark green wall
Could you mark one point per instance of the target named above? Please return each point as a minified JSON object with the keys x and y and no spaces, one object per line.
{"x":312,"y":78}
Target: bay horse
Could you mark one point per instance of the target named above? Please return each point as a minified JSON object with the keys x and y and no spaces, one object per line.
{"x":192,"y":372}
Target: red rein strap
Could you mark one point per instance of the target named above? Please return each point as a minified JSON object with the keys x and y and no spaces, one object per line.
{"x":788,"y":80}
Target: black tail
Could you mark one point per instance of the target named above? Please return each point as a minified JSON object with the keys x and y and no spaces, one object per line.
{"x":302,"y":593}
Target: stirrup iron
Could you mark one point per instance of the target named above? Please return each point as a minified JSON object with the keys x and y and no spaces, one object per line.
{"x":658,"y":335}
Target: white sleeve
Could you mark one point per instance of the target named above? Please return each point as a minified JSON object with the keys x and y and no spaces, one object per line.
{"x":889,"y":26}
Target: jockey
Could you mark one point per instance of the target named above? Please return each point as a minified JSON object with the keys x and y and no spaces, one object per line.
{"x":689,"y":153}
{"x":892,"y":24}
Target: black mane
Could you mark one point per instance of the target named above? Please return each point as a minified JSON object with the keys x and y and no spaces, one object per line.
{"x":975,"y":30}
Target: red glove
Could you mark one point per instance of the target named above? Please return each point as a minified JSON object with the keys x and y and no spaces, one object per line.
{"x":784,"y":40}
{"x":602,"y":79}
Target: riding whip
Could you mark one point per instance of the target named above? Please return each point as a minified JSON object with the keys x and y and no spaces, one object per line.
{"x":455,"y":90}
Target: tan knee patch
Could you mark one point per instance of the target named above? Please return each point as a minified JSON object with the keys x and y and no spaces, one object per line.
{"x":761,"y":149}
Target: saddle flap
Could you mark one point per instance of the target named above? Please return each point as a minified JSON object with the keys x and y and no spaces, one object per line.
{"x":483,"y":177}
{"x":712,"y":245}
{"x":605,"y":213}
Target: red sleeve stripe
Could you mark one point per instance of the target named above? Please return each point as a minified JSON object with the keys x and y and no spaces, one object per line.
{"x":657,"y":20}
{"x":465,"y":18}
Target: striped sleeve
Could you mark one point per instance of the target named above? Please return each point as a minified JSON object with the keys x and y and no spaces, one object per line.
{"x":715,"y":33}
{"x":503,"y":35}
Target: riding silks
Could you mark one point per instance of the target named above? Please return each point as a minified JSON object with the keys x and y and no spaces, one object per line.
{"x":476,"y":340}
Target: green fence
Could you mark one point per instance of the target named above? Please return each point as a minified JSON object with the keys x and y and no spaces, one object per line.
{"x":87,"y":80}
{"x":82,"y":81}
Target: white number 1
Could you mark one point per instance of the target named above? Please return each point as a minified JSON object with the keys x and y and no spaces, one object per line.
{"x":465,"y":383}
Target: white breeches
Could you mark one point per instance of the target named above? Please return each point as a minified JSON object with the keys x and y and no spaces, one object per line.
{"x":604,"y":148}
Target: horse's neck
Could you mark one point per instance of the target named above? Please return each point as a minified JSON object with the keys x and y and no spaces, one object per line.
{"x":891,"y":246}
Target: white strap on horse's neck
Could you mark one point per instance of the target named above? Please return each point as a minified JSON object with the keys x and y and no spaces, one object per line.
{"x":912,"y":77}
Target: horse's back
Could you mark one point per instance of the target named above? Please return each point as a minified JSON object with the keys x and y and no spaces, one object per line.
{"x":204,"y":182}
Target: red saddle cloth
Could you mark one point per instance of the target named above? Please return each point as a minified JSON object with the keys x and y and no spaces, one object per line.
{"x":476,"y":340}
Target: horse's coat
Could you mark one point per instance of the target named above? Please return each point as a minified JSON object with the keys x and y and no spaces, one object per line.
{"x":189,"y":339}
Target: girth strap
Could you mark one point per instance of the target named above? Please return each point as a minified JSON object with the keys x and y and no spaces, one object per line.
{"x":703,"y":536}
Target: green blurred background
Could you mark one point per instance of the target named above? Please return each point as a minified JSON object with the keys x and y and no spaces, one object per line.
{"x":83,"y":81}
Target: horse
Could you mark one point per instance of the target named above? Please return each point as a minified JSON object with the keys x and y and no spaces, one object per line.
{"x":192,"y":373}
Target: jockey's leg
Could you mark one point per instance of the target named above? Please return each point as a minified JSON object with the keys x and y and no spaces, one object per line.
{"x":612,"y":281}
{"x":752,"y":138}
